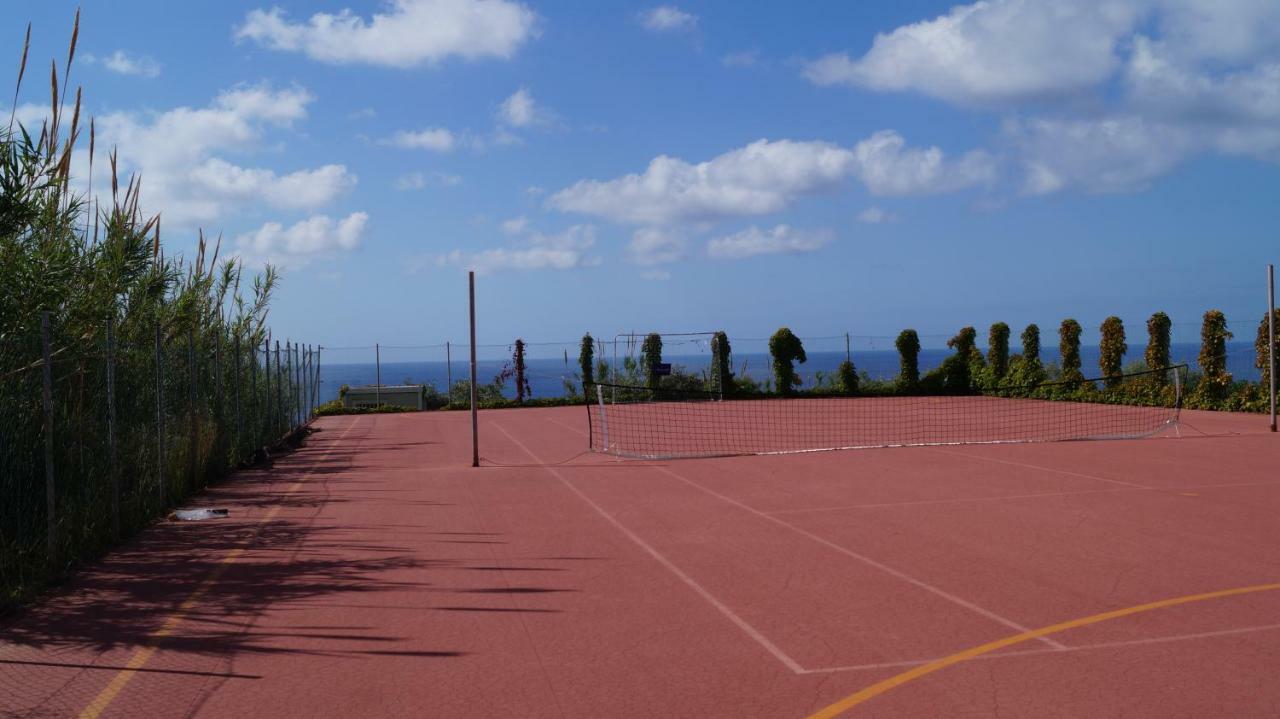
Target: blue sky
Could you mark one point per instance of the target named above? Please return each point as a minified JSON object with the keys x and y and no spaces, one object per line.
{"x":833,"y":166}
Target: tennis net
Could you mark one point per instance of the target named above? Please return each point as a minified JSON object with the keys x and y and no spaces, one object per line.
{"x":667,"y":423}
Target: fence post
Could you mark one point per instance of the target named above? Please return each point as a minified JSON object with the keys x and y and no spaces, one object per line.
{"x":448,"y":369}
{"x":279,"y":392}
{"x":316,"y":385}
{"x":192,"y":411}
{"x":377,"y":370}
{"x":266,"y":387}
{"x":160,"y":416}
{"x":1271,"y":340}
{"x":236,"y":378}
{"x":47,"y":395}
{"x":111,"y":427}
{"x":297,"y":383}
{"x":475,"y":420}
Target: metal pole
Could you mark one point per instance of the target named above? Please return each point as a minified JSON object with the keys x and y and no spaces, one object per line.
{"x":160,"y":415}
{"x":266,"y":379}
{"x":847,"y":355}
{"x":448,"y":372}
{"x":475,"y":417}
{"x":236,"y":398}
{"x":304,"y":403}
{"x":297,"y":385}
{"x":111,"y":427}
{"x":279,"y":393}
{"x":192,"y":410}
{"x":1271,"y":339}
{"x":317,"y":383}
{"x":377,"y":386}
{"x":51,"y":519}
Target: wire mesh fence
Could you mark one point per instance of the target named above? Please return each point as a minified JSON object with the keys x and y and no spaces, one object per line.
{"x":101,"y":432}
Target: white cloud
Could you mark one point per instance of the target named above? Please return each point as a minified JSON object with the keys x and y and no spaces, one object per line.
{"x":564,"y":251}
{"x":518,"y":110}
{"x":515,"y":225}
{"x":314,"y":238}
{"x":409,"y":34}
{"x":741,"y":59}
{"x":994,"y":50}
{"x":364,"y":113}
{"x":766,"y":176}
{"x":667,"y":18}
{"x":444,"y":179}
{"x":754,"y":241}
{"x":652,"y":246}
{"x":1120,"y":154}
{"x":876,"y":216}
{"x":434,"y":139}
{"x":657,"y":275}
{"x":888,"y":167}
{"x":758,"y":179}
{"x":178,"y":154}
{"x":122,"y":63}
{"x":411,"y":181}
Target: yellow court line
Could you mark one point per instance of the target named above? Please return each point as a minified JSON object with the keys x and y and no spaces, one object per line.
{"x":879,"y":688}
{"x":143,"y":654}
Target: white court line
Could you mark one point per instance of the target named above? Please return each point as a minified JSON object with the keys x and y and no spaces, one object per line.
{"x":956,"y":500}
{"x":867,"y":560}
{"x":862,"y":558}
{"x":1072,"y":648}
{"x":1043,"y":469}
{"x":741,"y":623}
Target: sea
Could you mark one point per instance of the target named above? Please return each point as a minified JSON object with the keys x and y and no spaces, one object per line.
{"x":548,"y":376}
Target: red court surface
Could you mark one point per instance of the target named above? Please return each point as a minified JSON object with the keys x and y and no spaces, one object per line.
{"x":375,"y":573}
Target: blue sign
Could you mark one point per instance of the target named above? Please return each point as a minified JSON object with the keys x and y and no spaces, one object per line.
{"x":661,"y":369}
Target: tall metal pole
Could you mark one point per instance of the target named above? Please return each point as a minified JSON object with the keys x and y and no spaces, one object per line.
{"x":51,"y":519}
{"x":266,"y":380}
{"x":448,"y":369}
{"x":1271,"y":339}
{"x":316,"y":391}
{"x":377,"y":369}
{"x":475,"y":417}
{"x":279,"y":394}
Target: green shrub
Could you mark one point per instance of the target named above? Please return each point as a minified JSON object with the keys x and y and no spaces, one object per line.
{"x":1111,"y":350}
{"x":1262,"y":358}
{"x":650,"y":355}
{"x":1157,"y":354}
{"x":998,"y":350}
{"x":1069,"y":349}
{"x":1215,"y":381}
{"x":908,"y":344}
{"x":786,"y":349}
{"x":955,"y":374}
{"x":848,"y":377}
{"x":721,"y":355}
{"x":586,"y":361}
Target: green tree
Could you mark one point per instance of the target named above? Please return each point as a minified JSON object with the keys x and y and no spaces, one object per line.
{"x":998,"y":350}
{"x":522,"y":380}
{"x":1215,"y":383}
{"x":1262,"y":359}
{"x":1157,"y":354}
{"x":958,"y":373}
{"x":650,"y":355}
{"x":908,"y":344}
{"x":1111,"y":350}
{"x":786,"y":349}
{"x":1069,"y":349}
{"x":586,"y":360}
{"x":722,"y":361}
{"x":1031,"y":344}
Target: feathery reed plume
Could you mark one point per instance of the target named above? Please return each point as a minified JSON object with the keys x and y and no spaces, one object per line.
{"x":22,"y":70}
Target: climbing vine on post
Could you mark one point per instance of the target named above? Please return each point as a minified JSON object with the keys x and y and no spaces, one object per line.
{"x":786,"y":349}
{"x":1033,"y":370}
{"x":1215,"y":383}
{"x":1157,"y":354}
{"x":1069,"y":349}
{"x":722,"y":362}
{"x":998,"y":350}
{"x":1111,"y":350}
{"x":650,"y":355}
{"x":908,"y":344}
{"x":586,"y":361}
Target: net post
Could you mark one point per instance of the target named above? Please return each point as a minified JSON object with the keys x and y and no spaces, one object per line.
{"x":1271,"y":341}
{"x":591,"y":431}
{"x":475,"y":417}
{"x":604,"y":418}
